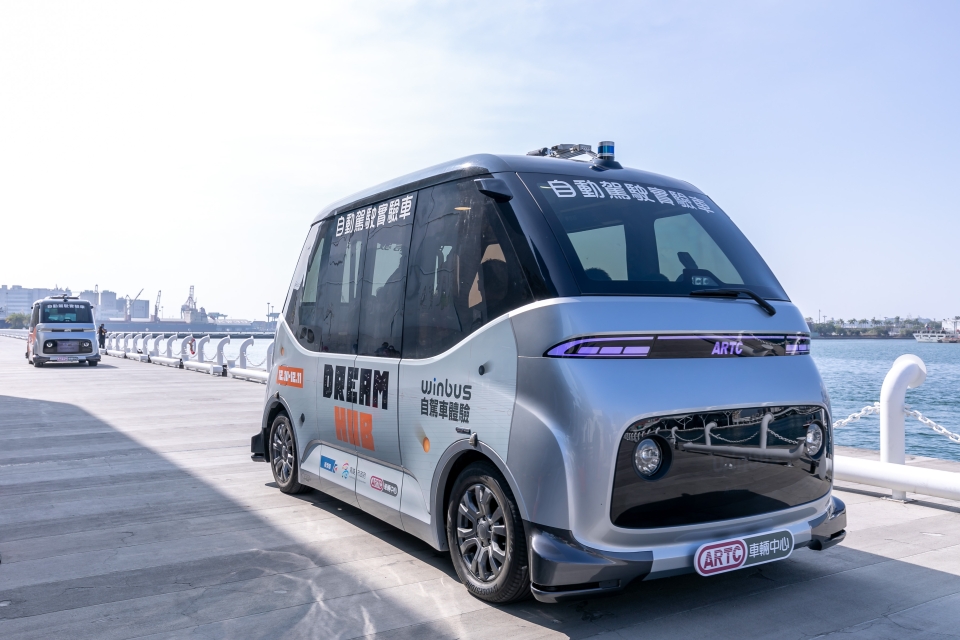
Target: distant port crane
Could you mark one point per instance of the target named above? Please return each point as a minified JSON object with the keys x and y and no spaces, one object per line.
{"x":128,"y":307}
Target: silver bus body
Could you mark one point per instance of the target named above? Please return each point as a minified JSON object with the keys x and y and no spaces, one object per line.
{"x":62,"y":330}
{"x":558,"y":392}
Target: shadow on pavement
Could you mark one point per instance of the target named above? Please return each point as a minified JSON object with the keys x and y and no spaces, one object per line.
{"x":104,"y":535}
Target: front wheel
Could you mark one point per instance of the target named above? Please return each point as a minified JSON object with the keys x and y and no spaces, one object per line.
{"x":486,"y":537}
{"x":93,"y":363}
{"x":283,"y":456}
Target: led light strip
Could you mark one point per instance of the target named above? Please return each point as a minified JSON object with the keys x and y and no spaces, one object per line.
{"x":707,"y":345}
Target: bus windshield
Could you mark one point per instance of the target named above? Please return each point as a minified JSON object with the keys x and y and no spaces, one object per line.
{"x":66,"y":312}
{"x":638,"y":239}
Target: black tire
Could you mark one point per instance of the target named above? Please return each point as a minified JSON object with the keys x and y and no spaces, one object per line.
{"x":490,"y":558}
{"x":37,"y":363}
{"x":93,"y":363}
{"x":283,"y":456}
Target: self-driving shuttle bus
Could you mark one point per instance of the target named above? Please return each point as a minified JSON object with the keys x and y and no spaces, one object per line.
{"x":569,"y":373}
{"x":62,"y":330}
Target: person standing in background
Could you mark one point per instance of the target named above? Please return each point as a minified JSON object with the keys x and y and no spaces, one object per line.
{"x":101,"y":336}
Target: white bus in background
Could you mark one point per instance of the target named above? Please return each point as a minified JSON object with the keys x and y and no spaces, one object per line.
{"x":62,"y":330}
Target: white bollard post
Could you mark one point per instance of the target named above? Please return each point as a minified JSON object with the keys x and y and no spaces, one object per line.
{"x":185,"y":347}
{"x":220,"y":360}
{"x":907,"y":372}
{"x":242,"y":358}
{"x":201,"y":343}
{"x":168,"y":348}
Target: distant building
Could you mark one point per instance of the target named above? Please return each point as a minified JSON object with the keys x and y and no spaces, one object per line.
{"x":139,"y":308}
{"x":108,"y":304}
{"x":17,"y":299}
{"x":93,"y":297}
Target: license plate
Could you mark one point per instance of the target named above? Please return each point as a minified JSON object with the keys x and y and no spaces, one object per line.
{"x":68,"y":346}
{"x":736,"y":553}
{"x":65,"y":359}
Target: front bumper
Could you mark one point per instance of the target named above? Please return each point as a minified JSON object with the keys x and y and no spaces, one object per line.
{"x":563,"y":569}
{"x":53,"y":354}
{"x":73,"y":357}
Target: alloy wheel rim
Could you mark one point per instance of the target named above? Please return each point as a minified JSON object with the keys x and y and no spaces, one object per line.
{"x":282,"y":453}
{"x":481,"y":533}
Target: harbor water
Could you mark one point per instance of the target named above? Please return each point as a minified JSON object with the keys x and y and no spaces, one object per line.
{"x":853,"y":371}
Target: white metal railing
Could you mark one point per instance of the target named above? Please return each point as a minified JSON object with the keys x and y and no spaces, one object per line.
{"x":248,"y":370}
{"x":892,"y":472}
{"x":214,"y":366}
{"x":138,"y":347}
{"x":117,"y":345}
{"x":162,"y":352}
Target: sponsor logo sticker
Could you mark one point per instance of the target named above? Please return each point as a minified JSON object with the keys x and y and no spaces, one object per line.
{"x":384,"y":486}
{"x":729,"y":555}
{"x":290,"y":377}
{"x":328,"y":464}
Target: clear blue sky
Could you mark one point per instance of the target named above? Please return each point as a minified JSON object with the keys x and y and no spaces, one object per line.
{"x":192,"y":143}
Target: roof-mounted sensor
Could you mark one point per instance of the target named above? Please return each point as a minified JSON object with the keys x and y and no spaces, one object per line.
{"x":581,"y":153}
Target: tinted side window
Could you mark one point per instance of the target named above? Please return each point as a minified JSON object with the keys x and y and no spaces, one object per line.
{"x":35,"y":317}
{"x":384,"y":278}
{"x":337,"y":312}
{"x":301,"y":301}
{"x":463,"y":271}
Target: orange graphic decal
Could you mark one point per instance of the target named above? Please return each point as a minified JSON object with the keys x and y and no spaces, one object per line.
{"x":366,"y":431}
{"x":290,"y":377}
{"x":354,"y":427}
{"x":340,"y":420}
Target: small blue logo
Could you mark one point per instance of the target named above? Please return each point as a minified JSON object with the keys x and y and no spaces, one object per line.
{"x":328,"y":463}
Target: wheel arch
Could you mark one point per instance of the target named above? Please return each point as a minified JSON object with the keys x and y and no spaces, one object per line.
{"x":454,"y":460}
{"x":274,"y":407}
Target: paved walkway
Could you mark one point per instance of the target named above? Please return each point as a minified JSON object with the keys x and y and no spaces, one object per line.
{"x":129,"y":509}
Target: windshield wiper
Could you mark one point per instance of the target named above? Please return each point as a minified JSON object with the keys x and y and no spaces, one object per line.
{"x":735,"y":293}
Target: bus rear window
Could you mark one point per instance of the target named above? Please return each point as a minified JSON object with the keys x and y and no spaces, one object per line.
{"x":65,"y":312}
{"x":639,"y":239}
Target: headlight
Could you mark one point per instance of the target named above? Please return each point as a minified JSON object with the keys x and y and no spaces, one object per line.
{"x":48,"y":344}
{"x":647,"y":457}
{"x":85,"y":344}
{"x":814,"y":440}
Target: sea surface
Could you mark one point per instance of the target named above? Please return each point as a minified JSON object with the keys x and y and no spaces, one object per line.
{"x":853,"y":371}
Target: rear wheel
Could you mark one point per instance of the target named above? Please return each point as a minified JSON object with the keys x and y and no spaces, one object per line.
{"x":283,"y":456}
{"x":485,"y":533}
{"x":93,"y":363}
